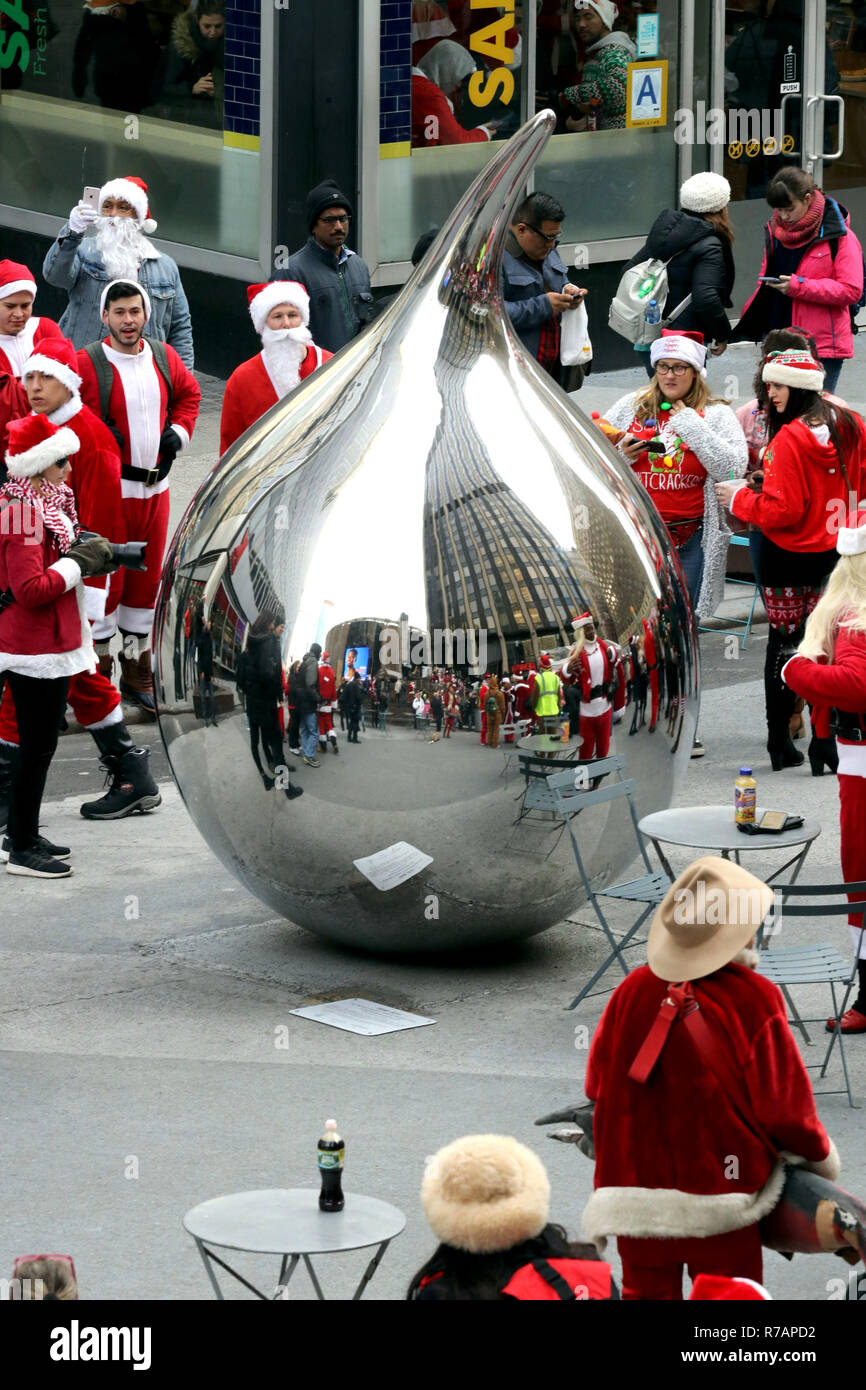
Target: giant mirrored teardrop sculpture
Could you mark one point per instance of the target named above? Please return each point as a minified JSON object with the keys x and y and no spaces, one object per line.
{"x":428,"y":499}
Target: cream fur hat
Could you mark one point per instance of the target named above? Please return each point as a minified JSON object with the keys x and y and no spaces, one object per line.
{"x":485,"y":1193}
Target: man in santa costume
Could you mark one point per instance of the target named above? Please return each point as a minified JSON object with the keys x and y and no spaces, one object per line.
{"x":85,"y":265}
{"x":152,"y":406}
{"x":596,"y":667}
{"x":21,"y":331}
{"x":280,"y":312}
{"x":20,"y":335}
{"x":829,"y":671}
{"x":328,"y":696}
{"x":700,"y":1093}
{"x":52,"y":384}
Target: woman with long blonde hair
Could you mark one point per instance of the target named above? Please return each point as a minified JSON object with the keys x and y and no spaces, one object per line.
{"x":829,"y":671}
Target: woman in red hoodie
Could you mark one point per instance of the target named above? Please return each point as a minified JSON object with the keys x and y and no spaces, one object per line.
{"x":830,"y":670}
{"x":811,"y":479}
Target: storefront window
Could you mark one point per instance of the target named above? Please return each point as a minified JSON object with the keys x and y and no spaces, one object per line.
{"x":457,"y":77}
{"x":149,"y":87}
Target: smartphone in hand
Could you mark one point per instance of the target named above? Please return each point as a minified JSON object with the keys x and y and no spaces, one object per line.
{"x":91,"y":196}
{"x":770,"y":279}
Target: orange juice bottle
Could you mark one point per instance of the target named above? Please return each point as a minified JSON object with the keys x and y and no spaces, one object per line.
{"x":745,"y":797}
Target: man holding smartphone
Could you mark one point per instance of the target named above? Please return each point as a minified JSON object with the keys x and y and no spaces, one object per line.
{"x":84,"y":265}
{"x":535,"y":284}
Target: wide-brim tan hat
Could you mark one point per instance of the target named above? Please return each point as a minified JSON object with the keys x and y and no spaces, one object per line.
{"x":485,"y":1192}
{"x":710,"y":913}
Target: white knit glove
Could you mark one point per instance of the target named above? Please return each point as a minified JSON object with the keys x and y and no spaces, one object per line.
{"x":82,"y":216}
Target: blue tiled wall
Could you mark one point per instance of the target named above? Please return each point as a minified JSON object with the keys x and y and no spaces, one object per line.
{"x":242,"y":66}
{"x":395,"y":100}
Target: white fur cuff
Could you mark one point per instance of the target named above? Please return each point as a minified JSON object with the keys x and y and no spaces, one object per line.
{"x":70,"y":571}
{"x":829,"y":1167}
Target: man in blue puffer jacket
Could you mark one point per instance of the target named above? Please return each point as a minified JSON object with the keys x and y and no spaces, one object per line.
{"x":84,"y":266}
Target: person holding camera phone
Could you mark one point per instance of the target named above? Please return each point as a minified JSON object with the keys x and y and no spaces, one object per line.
{"x":141,"y":389}
{"x":52,"y":384}
{"x":812,"y":271}
{"x":44,"y":633}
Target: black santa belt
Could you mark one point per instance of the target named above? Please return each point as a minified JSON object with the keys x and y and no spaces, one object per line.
{"x":149,"y":476}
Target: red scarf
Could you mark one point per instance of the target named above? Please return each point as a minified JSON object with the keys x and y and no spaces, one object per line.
{"x":56,"y":498}
{"x":804,"y":231}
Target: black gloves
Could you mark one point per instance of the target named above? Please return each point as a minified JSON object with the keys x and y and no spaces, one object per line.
{"x":94,"y":556}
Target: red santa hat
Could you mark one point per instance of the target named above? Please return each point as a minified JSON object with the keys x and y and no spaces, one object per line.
{"x":721,"y":1288}
{"x":851,"y":540}
{"x":544,"y":661}
{"x":680,"y":347}
{"x":326,"y":657}
{"x":56,"y":357}
{"x":583,"y":620}
{"x":132,"y":190}
{"x":794,"y":368}
{"x":263,"y":298}
{"x":15,"y":279}
{"x":139,"y":289}
{"x":34,"y":444}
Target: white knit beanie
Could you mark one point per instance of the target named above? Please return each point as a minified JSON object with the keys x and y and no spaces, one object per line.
{"x":485,"y":1192}
{"x":705,"y":193}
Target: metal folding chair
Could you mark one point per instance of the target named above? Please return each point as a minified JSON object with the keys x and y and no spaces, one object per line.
{"x":570,"y":793}
{"x":734,"y":623}
{"x":819,"y":964}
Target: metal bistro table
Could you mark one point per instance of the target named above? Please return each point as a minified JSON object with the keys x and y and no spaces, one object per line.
{"x":288,"y":1223}
{"x":714,"y":828}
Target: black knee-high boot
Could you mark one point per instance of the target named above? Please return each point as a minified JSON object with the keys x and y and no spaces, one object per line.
{"x":780,"y":700}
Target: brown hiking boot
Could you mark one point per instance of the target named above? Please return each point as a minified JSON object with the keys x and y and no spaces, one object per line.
{"x":106,"y":664}
{"x":136,"y":681}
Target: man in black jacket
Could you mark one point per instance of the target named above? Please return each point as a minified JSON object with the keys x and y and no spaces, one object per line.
{"x":308,"y":703}
{"x":353,"y":699}
{"x":336,"y":279}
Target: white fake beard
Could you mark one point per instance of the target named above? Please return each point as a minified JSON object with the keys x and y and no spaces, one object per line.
{"x":283,"y":350}
{"x":122,"y":245}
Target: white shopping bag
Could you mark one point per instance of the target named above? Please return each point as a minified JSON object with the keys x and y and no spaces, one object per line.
{"x":575,"y":349}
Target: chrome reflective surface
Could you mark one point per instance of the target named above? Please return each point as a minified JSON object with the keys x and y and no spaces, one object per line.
{"x":430,"y":477}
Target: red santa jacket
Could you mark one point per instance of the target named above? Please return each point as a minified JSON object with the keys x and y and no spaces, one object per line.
{"x":45,"y":620}
{"x":803,"y":491}
{"x":573,"y":672}
{"x":673,"y":1156}
{"x":33,"y":333}
{"x":841,"y":684}
{"x":13,"y":404}
{"x":327,"y":684}
{"x":250,"y":393}
{"x":185,"y":396}
{"x":95,"y":481}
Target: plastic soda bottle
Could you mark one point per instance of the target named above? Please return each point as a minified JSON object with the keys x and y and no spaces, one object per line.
{"x":745,"y":797}
{"x":652,"y":312}
{"x":331,"y":1153}
{"x":592,"y":115}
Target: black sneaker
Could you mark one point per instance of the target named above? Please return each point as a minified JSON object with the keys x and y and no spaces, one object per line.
{"x":292,"y":792}
{"x":41,"y":844}
{"x":32,"y":863}
{"x":698,"y":749}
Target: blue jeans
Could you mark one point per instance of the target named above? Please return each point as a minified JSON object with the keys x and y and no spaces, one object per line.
{"x":309,"y":734}
{"x":832,"y":369}
{"x":692,"y":560}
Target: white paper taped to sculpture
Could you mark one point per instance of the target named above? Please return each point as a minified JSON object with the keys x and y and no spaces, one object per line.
{"x":393,"y":866}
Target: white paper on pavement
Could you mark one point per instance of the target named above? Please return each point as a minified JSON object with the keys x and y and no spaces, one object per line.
{"x":393,"y":866}
{"x":362,"y":1016}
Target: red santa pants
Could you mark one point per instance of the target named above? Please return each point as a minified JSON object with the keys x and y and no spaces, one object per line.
{"x":146,"y":520}
{"x":326,"y":723}
{"x":653,"y":1269}
{"x":92,"y":697}
{"x":852,"y":815}
{"x":595,"y":735}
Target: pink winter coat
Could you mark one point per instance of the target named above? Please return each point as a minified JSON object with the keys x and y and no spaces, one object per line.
{"x":822,"y":289}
